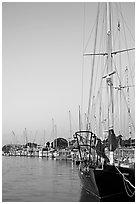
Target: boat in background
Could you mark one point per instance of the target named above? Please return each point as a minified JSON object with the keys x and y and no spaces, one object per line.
{"x":107,"y":168}
{"x":64,"y":154}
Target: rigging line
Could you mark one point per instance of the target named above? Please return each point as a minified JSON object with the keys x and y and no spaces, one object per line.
{"x":94,"y":115}
{"x":120,"y":80}
{"x":126,"y":45}
{"x":99,"y":91}
{"x":116,"y":114}
{"x":132,"y":67}
{"x":102,"y":74}
{"x":112,"y":25}
{"x":128,"y":102}
{"x":118,"y":21}
{"x":103,"y":71}
{"x":114,"y":41}
{"x":103,"y":119}
{"x":133,"y":75}
{"x":119,"y":37}
{"x":108,"y":106}
{"x":120,"y":55}
{"x":89,"y":37}
{"x":92,"y":72}
{"x":91,"y":32}
{"x":126,"y":23}
{"x":127,"y":109}
{"x":99,"y":96}
{"x":100,"y":128}
{"x":124,"y":97}
{"x":99,"y":58}
{"x":83,"y":61}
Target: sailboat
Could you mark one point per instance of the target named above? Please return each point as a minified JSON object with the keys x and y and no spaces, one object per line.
{"x":101,"y":170}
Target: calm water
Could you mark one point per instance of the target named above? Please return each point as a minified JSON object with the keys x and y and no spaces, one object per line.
{"x":41,"y":180}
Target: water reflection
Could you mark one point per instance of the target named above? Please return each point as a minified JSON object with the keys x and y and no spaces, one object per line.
{"x":86,"y":197}
{"x":39,"y":180}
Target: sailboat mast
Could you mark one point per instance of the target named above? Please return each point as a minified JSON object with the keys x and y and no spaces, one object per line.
{"x":44,"y":137}
{"x":109,"y":79}
{"x":55,"y":126}
{"x":79,"y":120}
{"x":53,"y":132}
{"x":109,"y":67}
{"x":70,"y":125}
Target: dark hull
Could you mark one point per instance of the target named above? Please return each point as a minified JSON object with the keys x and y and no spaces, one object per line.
{"x":108,"y":184}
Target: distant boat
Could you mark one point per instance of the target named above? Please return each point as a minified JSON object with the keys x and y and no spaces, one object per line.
{"x":43,"y":152}
{"x":103,"y":170}
{"x":64,"y":154}
{"x":52,"y":153}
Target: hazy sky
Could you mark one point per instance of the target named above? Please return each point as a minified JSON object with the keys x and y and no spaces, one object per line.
{"x":42,"y":66}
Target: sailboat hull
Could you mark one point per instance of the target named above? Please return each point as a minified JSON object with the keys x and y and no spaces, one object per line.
{"x":108,"y":184}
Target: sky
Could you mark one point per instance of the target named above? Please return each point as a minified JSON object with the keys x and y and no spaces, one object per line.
{"x":42,"y":46}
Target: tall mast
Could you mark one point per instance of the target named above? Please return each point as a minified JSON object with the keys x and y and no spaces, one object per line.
{"x":44,"y":137}
{"x":26,"y":135}
{"x":55,"y":126}
{"x":109,"y":68}
{"x":70,"y":125}
{"x":109,"y":79}
{"x":120,"y":80}
{"x":79,"y":115}
{"x":53,"y":132}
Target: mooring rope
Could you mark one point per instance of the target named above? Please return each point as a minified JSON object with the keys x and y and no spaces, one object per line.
{"x":126,"y":182}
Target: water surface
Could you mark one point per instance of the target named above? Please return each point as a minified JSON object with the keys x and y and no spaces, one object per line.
{"x":27,"y":179}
